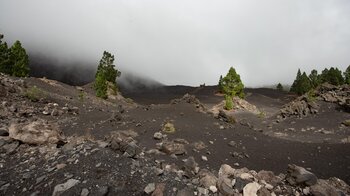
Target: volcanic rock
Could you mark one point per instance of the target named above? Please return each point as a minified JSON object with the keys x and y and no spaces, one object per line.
{"x":171,"y":147}
{"x":36,"y":132}
{"x":299,"y":175}
{"x":251,"y":189}
{"x":60,"y":188}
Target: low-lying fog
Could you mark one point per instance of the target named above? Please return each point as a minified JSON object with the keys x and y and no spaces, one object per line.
{"x":182,"y":42}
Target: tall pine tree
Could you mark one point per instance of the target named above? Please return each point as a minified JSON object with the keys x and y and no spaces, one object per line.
{"x":106,"y":73}
{"x":232,"y":84}
{"x":314,"y":78}
{"x":19,"y":60}
{"x":5,"y":66}
{"x":296,"y":82}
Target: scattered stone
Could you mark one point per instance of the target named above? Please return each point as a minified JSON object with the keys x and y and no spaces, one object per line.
{"x":299,"y":175}
{"x":346,"y":123}
{"x":246,"y":176}
{"x":199,"y":145}
{"x":232,"y":143}
{"x":150,"y":188}
{"x":61,"y":166}
{"x":173,"y":148}
{"x":102,"y":144}
{"x":158,"y":136}
{"x":3,"y":132}
{"x":323,"y":188}
{"x":40,"y":179}
{"x":207,"y":179}
{"x":103,"y":190}
{"x":263,"y":192}
{"x":251,"y":189}
{"x":190,"y":166}
{"x":213,"y":189}
{"x":184,"y":192}
{"x":84,"y":192}
{"x":132,"y":149}
{"x":202,"y":191}
{"x":36,"y":132}
{"x":240,"y":184}
{"x":226,"y":171}
{"x":60,"y":188}
{"x":10,"y":147}
{"x":269,"y":177}
{"x":159,"y":190}
{"x":204,"y":158}
{"x":225,"y":186}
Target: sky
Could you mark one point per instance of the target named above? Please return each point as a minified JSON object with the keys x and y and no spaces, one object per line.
{"x":187,"y":42}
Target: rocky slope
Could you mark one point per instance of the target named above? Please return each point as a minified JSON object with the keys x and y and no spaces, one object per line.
{"x":61,"y":140}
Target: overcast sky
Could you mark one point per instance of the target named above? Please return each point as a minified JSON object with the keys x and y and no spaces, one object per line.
{"x":187,"y":41}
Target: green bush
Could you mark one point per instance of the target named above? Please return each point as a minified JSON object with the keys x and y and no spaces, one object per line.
{"x":262,"y":114}
{"x":228,"y":102}
{"x":169,"y":128}
{"x":129,"y":101}
{"x":81,"y":96}
{"x":311,"y":96}
{"x":34,"y":94}
{"x":101,"y":85}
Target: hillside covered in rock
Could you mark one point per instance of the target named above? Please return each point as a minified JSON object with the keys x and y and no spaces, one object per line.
{"x":57,"y":139}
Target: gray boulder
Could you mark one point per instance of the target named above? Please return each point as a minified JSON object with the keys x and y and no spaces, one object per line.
{"x":299,"y":175}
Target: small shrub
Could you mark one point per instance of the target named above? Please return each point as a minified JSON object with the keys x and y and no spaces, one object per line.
{"x":34,"y":94}
{"x":228,"y":102}
{"x":81,"y":96}
{"x":100,"y":86}
{"x":169,"y":128}
{"x":129,"y":100}
{"x":311,"y":96}
{"x":346,"y":123}
{"x":261,"y":114}
{"x":231,"y":119}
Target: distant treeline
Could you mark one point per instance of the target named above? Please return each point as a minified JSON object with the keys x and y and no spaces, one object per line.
{"x":304,"y":83}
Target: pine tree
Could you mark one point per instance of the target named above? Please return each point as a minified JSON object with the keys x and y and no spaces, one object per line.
{"x":19,"y":60}
{"x":232,"y":84}
{"x":294,"y":87}
{"x":106,"y":74}
{"x":347,"y":75}
{"x":5,"y":66}
{"x":106,"y":66}
{"x":304,"y":84}
{"x":301,"y":84}
{"x":220,"y":84}
{"x":324,"y":76}
{"x":314,"y":78}
{"x":332,"y":76}
{"x":279,"y":87}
